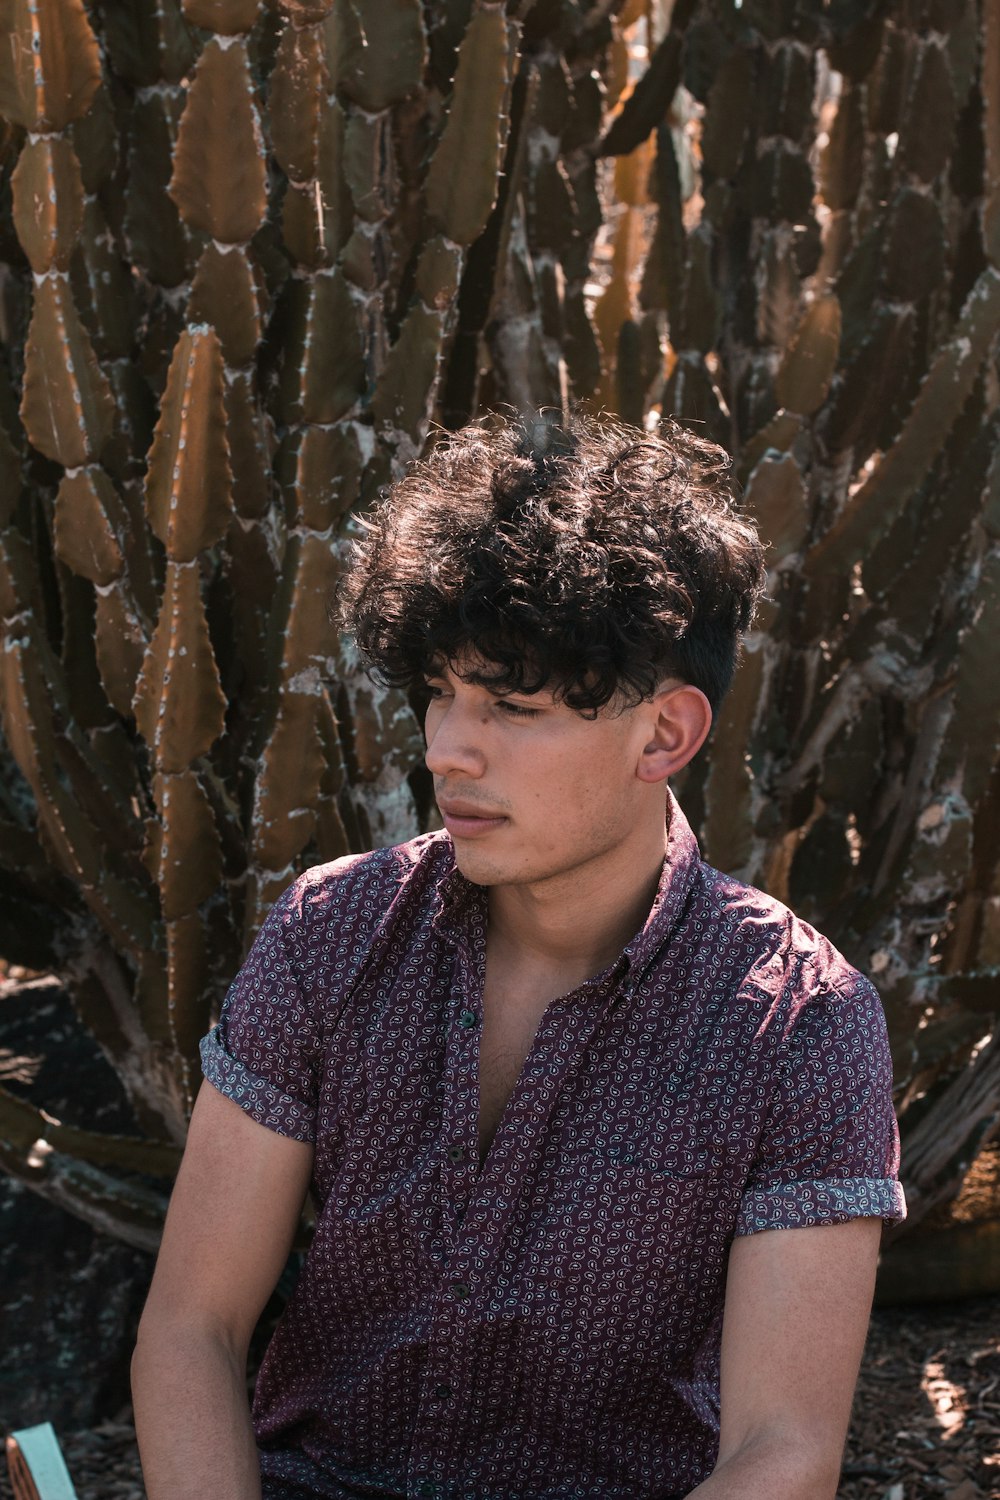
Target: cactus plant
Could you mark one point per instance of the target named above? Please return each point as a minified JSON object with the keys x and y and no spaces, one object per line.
{"x":255,"y":251}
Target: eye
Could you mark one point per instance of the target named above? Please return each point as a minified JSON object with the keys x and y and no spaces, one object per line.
{"x":517,"y":710}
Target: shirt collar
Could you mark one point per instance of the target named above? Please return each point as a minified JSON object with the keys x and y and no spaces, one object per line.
{"x":462,"y":905}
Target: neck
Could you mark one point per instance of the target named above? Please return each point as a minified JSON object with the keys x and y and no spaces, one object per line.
{"x":577,"y":923}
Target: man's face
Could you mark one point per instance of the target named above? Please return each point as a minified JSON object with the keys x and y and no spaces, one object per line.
{"x":528,"y":788}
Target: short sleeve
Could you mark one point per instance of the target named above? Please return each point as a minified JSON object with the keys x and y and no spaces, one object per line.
{"x":830,"y":1151}
{"x":263,"y":1052}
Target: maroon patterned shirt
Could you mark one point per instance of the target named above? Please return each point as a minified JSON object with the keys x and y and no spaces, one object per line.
{"x":547,"y":1325}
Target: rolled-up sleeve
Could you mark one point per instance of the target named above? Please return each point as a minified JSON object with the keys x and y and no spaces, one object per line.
{"x":263,"y":1052}
{"x":830,"y":1151}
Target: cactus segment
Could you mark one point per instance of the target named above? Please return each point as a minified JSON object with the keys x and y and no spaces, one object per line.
{"x":873,"y":507}
{"x":405,"y":390}
{"x":67,"y":407}
{"x":462,"y":179}
{"x":974,"y":731}
{"x":376,"y":73}
{"x":302,"y":634}
{"x":225,"y":17}
{"x":700,"y":321}
{"x":148,"y":42}
{"x":690,"y":395}
{"x":189,"y":481}
{"x":48,"y":202}
{"x":323,"y":374}
{"x":250,"y":438}
{"x":120,"y":642}
{"x":319,"y":470}
{"x":728,"y":790}
{"x":728,"y":114}
{"x":368,"y":165}
{"x":18,"y":584}
{"x":779,"y":434}
{"x":184,"y":853}
{"x":842,"y":159}
{"x":50,"y":66}
{"x":991,"y":130}
{"x":806,"y":371}
{"x":85,"y":535}
{"x":915,"y":252}
{"x":299,"y":85}
{"x":287,"y":786}
{"x":22,"y":1125}
{"x":647,"y":104}
{"x":26,"y":707}
{"x":776,"y":498}
{"x":869,"y":384}
{"x":179,"y":704}
{"x":439,"y":271}
{"x":219,"y":177}
{"x":157,"y":238}
{"x":227,"y":292}
{"x":928,"y":127}
{"x":663,"y":274}
{"x":317,"y":216}
{"x":102,"y":288}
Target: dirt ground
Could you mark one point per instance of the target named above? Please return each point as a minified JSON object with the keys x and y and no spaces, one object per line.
{"x":926,"y":1416}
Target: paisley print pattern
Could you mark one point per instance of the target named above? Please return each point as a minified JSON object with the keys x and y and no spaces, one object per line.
{"x":547,"y":1326}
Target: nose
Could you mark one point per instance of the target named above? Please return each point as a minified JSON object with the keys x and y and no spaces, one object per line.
{"x":453,"y":743}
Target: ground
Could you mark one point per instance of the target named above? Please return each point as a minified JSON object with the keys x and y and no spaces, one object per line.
{"x":926,"y":1416}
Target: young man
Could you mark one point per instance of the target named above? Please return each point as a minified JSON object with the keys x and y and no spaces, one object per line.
{"x":599,"y":1140}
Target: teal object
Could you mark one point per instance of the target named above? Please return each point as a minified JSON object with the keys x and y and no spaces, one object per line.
{"x":42,"y":1457}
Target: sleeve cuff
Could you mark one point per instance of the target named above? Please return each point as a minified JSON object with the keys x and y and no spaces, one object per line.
{"x":800,"y":1205}
{"x":258,"y":1098}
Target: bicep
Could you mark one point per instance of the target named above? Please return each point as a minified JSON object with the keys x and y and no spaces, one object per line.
{"x":796,"y":1314}
{"x":231,"y":1221}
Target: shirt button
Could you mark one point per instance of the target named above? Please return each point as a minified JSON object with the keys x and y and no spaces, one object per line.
{"x":456,"y":1153}
{"x":426,"y":1487}
{"x":468,"y":1019}
{"x":443,"y":1392}
{"x":461,"y":1290}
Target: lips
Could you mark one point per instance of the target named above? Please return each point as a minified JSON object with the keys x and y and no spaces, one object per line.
{"x":469,"y":820}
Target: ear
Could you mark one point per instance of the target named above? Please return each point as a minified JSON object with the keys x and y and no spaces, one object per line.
{"x":681,"y":718}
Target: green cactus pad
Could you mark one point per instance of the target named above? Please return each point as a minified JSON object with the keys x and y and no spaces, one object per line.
{"x":120,"y":641}
{"x":227,"y":292}
{"x":287,"y":786}
{"x":85,"y":535}
{"x":179,"y":704}
{"x":219,"y":177}
{"x":226,"y":17}
{"x":323,"y":374}
{"x":462,"y":180}
{"x":803,"y":379}
{"x":48,"y":202}
{"x":376,"y":76}
{"x":67,"y":407}
{"x":188,"y":480}
{"x":300,"y":82}
{"x":842,"y":160}
{"x":928,"y":126}
{"x":368,"y":165}
{"x":46,"y":89}
{"x":185,"y":855}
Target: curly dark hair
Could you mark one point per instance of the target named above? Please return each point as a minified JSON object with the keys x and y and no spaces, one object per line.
{"x":588,"y":558}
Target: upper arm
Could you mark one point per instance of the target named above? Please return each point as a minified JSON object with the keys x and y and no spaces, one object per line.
{"x":231,"y":1220}
{"x":796,"y":1314}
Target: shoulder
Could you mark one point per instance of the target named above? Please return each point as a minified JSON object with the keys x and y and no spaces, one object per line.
{"x":786,"y":964}
{"x":359,"y":890}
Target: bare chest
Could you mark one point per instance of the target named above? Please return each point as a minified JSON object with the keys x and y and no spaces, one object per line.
{"x":505,"y":1043}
